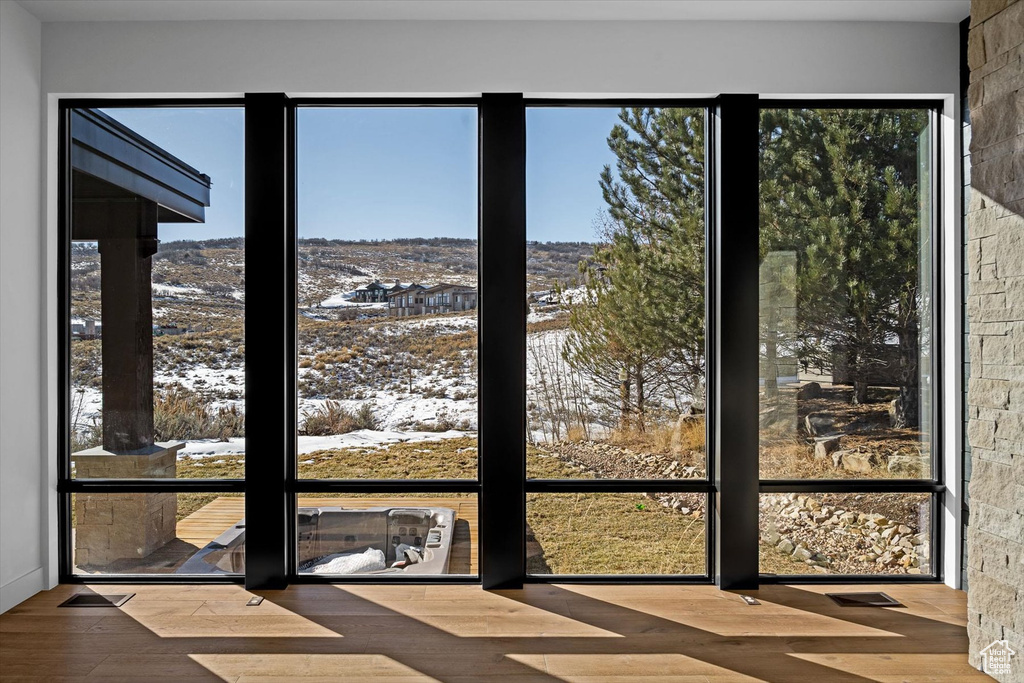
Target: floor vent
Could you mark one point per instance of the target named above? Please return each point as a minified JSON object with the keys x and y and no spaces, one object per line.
{"x":96,"y":600}
{"x":863,"y":600}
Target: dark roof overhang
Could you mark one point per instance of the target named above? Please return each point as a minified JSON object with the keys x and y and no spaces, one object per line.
{"x":111,"y":161}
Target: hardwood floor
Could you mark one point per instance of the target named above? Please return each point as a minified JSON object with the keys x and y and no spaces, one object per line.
{"x":464,"y":634}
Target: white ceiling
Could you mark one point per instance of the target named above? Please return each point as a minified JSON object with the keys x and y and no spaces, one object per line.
{"x":946,"y":11}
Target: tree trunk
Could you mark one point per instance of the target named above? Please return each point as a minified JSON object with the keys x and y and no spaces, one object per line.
{"x":857,"y":375}
{"x":771,"y":366}
{"x":640,"y":407}
{"x":908,"y":407}
{"x":624,"y":399}
{"x":860,"y":392}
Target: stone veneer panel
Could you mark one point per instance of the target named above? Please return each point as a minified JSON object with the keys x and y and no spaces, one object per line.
{"x":112,"y":530}
{"x":995,"y":308}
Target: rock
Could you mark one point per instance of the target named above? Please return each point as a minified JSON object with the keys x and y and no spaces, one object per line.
{"x":808,"y":391}
{"x":825,"y":445}
{"x":867,"y":423}
{"x":912,"y":465}
{"x":801,"y":553}
{"x":819,"y":424}
{"x":785,"y":545}
{"x":772,"y":535}
{"x":857,"y":462}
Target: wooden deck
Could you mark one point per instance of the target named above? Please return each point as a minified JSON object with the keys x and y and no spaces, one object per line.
{"x":463,"y":634}
{"x":216,"y":517}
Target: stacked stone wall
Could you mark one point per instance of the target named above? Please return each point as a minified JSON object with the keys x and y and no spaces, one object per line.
{"x":995,"y":310}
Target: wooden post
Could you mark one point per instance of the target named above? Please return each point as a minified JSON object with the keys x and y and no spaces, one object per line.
{"x":126,"y":230}
{"x":127,"y":300}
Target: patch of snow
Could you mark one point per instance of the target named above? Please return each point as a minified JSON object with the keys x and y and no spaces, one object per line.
{"x":205,"y":448}
{"x":174,"y":290}
{"x":534,"y":317}
{"x":343,"y":300}
{"x":362,"y":438}
{"x":368,"y":438}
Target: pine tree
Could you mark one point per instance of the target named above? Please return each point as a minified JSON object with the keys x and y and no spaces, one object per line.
{"x":639,"y":329}
{"x":841,"y":189}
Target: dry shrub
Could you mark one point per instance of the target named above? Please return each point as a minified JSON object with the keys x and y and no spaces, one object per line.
{"x":333,"y":418}
{"x":576,"y":433}
{"x":691,"y":435}
{"x":661,"y":437}
{"x":334,"y":356}
{"x":229,"y":422}
{"x":445,"y":421}
{"x":179,"y":413}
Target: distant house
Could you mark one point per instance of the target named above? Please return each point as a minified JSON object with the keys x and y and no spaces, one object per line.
{"x":446,"y":298}
{"x":86,"y":329}
{"x":406,"y":300}
{"x":419,"y":300}
{"x":373,"y":293}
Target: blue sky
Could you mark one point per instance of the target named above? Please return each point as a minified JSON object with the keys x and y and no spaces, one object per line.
{"x":211,"y":140}
{"x":372,"y":173}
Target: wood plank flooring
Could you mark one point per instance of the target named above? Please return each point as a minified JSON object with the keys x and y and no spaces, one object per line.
{"x":462,"y":634}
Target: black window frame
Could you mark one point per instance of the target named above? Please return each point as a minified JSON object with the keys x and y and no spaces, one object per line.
{"x":706,"y":486}
{"x":66,"y":485}
{"x":302,"y":486}
{"x":271,"y":487}
{"x":935,"y":485}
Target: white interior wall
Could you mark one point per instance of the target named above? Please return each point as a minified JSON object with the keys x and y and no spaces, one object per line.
{"x":23,"y":523}
{"x":435,"y":57}
{"x":467,"y":57}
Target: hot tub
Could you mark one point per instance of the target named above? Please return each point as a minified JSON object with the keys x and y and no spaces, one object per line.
{"x":326,"y":532}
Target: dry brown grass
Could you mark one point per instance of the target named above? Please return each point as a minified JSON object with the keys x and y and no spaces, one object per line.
{"x":659,"y":438}
{"x":792,"y":457}
{"x":612,"y":533}
{"x":787,"y":451}
{"x":442,"y":459}
{"x":560,"y":322}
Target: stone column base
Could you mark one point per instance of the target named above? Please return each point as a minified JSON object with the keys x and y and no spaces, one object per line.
{"x":113,"y":527}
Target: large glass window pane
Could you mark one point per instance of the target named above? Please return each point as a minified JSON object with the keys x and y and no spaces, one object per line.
{"x":387,"y":536}
{"x":845,"y":293}
{"x":616,"y":533}
{"x":615,"y":285}
{"x":387,"y":293}
{"x":846,"y":533}
{"x":157,"y":293}
{"x":158,"y":533}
